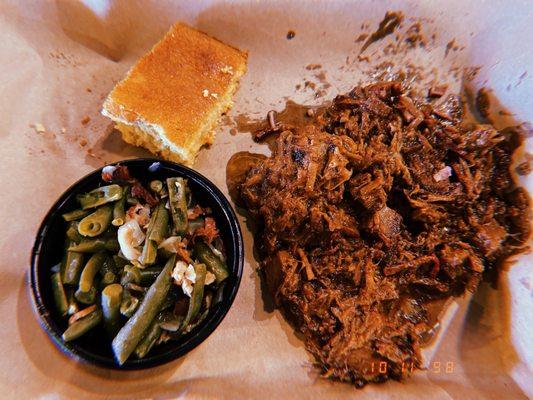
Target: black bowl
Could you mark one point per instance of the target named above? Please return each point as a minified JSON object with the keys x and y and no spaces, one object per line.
{"x":94,"y":347}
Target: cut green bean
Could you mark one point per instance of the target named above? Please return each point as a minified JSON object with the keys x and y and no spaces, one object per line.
{"x":72,"y":232}
{"x":219,"y":294}
{"x":108,"y":271}
{"x":72,"y":267}
{"x":213,"y":263}
{"x":178,"y":204}
{"x":95,"y":245}
{"x":145,"y":276}
{"x":195,"y":303}
{"x":107,"y":279}
{"x":60,"y":297}
{"x":149,"y":275}
{"x":149,"y":253}
{"x":129,"y":304}
{"x":75,"y":215}
{"x":130,"y":274}
{"x":119,"y":209}
{"x":157,"y":230}
{"x":132,"y":333}
{"x":131,"y":200}
{"x":146,"y":344}
{"x":96,"y":223}
{"x":99,"y":196}
{"x":72,"y":305}
{"x":198,"y":321}
{"x":82,"y":325}
{"x":171,"y":323}
{"x":120,"y":262}
{"x":108,"y":265}
{"x":110,"y":301}
{"x":86,"y":292}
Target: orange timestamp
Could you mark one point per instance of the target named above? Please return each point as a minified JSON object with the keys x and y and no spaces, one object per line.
{"x":436,"y":367}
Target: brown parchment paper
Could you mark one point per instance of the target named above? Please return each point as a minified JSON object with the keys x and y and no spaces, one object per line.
{"x":59,"y":59}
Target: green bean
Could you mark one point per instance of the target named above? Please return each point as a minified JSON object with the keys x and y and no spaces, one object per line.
{"x":99,"y":196}
{"x":132,"y":333}
{"x":135,"y":288}
{"x":178,"y":204}
{"x":219,"y":294}
{"x":146,"y":344}
{"x":130,"y":274}
{"x":75,"y":215}
{"x":156,"y":232}
{"x":149,"y":275}
{"x":82,"y":325}
{"x":129,"y":304}
{"x":200,"y":319}
{"x":171,"y":323}
{"x":110,"y":301}
{"x":72,"y":232}
{"x":72,"y":266}
{"x":213,"y":263}
{"x":144,"y":276}
{"x":131,"y":200}
{"x":60,"y":297}
{"x":95,"y":245}
{"x":197,"y":296}
{"x":120,"y":262}
{"x":96,"y":223}
{"x":158,"y":229}
{"x":72,"y":305}
{"x":119,"y":213}
{"x":149,"y":253}
{"x":107,"y":279}
{"x":108,"y":271}
{"x":86,"y":292}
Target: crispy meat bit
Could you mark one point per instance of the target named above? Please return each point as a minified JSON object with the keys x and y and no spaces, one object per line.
{"x":140,"y":192}
{"x":208,"y":232}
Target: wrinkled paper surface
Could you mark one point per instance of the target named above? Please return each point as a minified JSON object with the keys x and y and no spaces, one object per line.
{"x":59,"y":59}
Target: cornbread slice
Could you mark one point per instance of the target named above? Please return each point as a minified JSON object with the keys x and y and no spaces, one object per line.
{"x":171,"y":100}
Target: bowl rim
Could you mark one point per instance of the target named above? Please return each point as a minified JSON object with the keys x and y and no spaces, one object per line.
{"x":79,"y":354}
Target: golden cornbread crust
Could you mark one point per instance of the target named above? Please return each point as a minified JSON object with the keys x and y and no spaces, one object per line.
{"x":175,"y":94}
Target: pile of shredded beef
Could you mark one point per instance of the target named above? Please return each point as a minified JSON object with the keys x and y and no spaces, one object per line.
{"x":377,"y":211}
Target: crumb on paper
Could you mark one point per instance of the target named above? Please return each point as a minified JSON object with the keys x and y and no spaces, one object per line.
{"x":89,"y":90}
{"x":39,"y":128}
{"x":83,"y":142}
{"x":312,"y":67}
{"x":205,"y":93}
{"x":85,"y":120}
{"x":63,"y":130}
{"x":214,"y":95}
